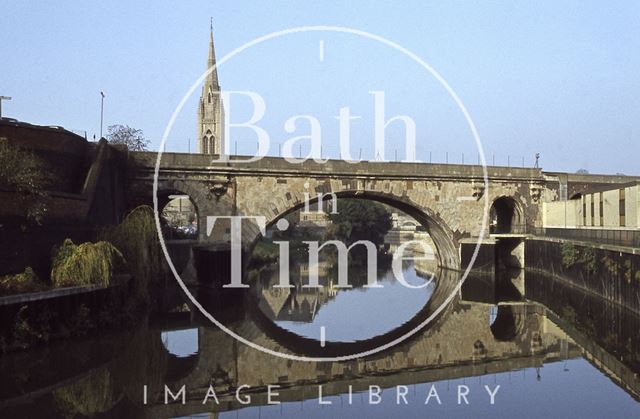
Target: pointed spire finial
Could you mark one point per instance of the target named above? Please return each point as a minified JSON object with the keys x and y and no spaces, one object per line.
{"x":213,"y":77}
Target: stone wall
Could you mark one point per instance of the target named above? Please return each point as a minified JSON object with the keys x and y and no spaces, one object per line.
{"x":65,"y":152}
{"x":610,"y":273}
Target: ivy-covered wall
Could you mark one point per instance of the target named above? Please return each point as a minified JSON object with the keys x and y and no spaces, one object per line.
{"x":613,"y":275}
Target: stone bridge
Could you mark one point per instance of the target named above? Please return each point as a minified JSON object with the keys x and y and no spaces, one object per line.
{"x":449,"y":200}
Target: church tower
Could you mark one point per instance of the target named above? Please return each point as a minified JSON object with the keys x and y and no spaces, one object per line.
{"x":210,"y":110}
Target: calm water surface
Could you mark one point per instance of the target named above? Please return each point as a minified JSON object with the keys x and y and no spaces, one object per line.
{"x":557,"y":352}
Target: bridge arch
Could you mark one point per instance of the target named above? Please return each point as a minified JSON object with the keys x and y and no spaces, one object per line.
{"x":506,"y":215}
{"x":203,"y":201}
{"x":442,"y":236}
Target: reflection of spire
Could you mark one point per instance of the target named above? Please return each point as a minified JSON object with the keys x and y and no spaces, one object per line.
{"x":275,"y":299}
{"x":302,"y":308}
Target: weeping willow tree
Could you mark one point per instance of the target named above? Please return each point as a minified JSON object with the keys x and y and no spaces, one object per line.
{"x":85,"y":264}
{"x":137,"y":238}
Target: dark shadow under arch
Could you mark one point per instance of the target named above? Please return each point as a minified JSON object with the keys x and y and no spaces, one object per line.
{"x":506,"y":325}
{"x":506,"y":216}
{"x":447,"y":280}
{"x":440,"y":233}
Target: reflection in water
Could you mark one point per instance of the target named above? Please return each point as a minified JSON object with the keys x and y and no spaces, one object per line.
{"x":346,"y":314}
{"x":181,"y":343}
{"x":560,"y":359}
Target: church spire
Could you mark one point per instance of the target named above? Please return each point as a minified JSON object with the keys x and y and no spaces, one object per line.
{"x":210,"y":108}
{"x":212,"y":78}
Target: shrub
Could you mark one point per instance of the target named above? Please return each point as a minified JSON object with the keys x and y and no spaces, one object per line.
{"x":24,"y":335}
{"x":137,"y":238}
{"x":569,"y":255}
{"x":28,"y":176}
{"x":572,"y":255}
{"x":26,"y":281}
{"x":85,"y":264}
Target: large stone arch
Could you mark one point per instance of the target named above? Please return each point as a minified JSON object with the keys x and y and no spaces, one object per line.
{"x":442,"y":235}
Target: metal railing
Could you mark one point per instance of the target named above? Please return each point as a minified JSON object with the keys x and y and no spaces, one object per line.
{"x":630,"y":238}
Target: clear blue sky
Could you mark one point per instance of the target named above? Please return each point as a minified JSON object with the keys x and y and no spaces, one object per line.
{"x":557,"y":77}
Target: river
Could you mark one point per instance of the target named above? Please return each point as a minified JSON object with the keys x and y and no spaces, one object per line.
{"x":554,"y":352}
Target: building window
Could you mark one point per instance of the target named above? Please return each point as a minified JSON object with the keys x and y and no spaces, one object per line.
{"x":593,"y":215}
{"x":601,"y":209}
{"x":584,"y":210}
{"x":623,"y":208}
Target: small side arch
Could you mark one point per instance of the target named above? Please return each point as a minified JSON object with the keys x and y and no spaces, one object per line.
{"x":506,"y":216}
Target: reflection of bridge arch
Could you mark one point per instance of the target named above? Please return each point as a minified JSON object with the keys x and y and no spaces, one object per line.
{"x":446,"y":282}
{"x":441,"y":234}
{"x":178,"y":366}
{"x":507,"y":324}
{"x":444,"y":351}
{"x":409,"y":224}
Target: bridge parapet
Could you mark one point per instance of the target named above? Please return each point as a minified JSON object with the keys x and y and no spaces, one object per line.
{"x":185,"y":161}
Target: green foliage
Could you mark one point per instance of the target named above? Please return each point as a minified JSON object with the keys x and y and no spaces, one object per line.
{"x":569,"y":255}
{"x":85,"y":264}
{"x":611,"y":265}
{"x":24,"y":335}
{"x":264,"y":253}
{"x":359,"y":219}
{"x":572,"y":255}
{"x":627,"y":270}
{"x":588,"y":259}
{"x":131,"y":137}
{"x":26,"y":281}
{"x":137,"y":238}
{"x":28,"y":176}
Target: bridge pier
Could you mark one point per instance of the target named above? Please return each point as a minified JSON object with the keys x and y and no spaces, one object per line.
{"x":497,"y":273}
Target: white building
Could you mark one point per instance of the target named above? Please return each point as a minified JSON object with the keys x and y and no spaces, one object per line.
{"x":604,"y":208}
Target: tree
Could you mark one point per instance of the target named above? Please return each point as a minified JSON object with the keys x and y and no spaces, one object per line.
{"x":28,"y":176}
{"x":360,"y":219}
{"x":131,"y":137}
{"x":583,"y":172}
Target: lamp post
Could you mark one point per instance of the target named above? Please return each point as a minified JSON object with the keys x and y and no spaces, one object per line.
{"x":101,"y":111}
{"x":1,"y":99}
